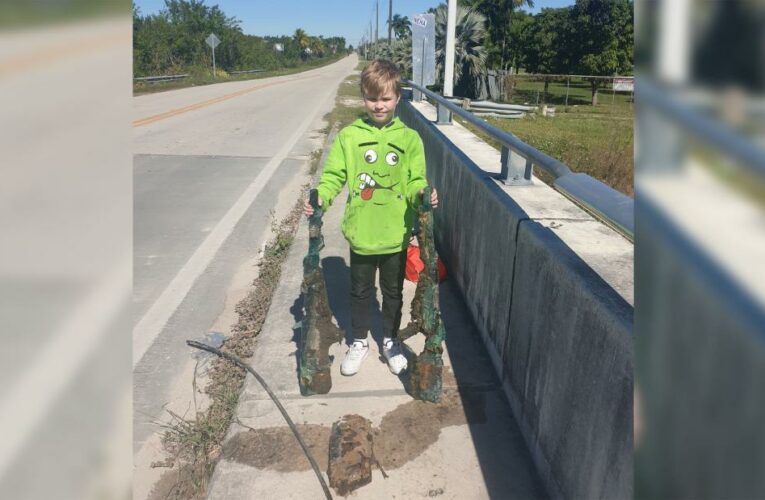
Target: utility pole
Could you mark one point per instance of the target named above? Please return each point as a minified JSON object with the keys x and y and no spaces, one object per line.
{"x":390,"y":18}
{"x":377,"y":22}
{"x":451,"y":22}
{"x":371,"y":40}
{"x":672,"y":65}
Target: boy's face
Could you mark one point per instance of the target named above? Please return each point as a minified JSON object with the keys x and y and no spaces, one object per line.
{"x":380,"y":108}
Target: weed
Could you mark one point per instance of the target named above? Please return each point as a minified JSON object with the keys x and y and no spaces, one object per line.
{"x":195,"y":443}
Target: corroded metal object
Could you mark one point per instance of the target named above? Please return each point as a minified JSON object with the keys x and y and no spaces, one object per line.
{"x":350,"y":454}
{"x":317,"y":331}
{"x":425,"y":370}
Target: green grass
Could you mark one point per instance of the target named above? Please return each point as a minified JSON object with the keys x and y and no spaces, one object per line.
{"x":595,"y":140}
{"x":140,"y":88}
{"x":529,"y":91}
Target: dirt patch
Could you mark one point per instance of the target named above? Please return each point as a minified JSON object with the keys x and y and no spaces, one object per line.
{"x":175,"y":484}
{"x":448,"y":381}
{"x":404,"y":434}
{"x":276,"y":448}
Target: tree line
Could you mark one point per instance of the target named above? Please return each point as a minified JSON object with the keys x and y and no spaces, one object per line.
{"x":591,"y":37}
{"x":172,"y":41}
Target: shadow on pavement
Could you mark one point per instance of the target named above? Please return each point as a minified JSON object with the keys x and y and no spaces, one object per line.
{"x":500,"y":447}
{"x":506,"y":464}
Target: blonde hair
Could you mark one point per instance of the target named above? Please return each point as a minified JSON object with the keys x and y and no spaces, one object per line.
{"x":379,"y":77}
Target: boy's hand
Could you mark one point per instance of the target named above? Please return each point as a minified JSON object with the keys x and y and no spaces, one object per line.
{"x":433,"y":197}
{"x":307,"y":208}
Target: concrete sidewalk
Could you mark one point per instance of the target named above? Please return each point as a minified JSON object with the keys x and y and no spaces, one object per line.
{"x":468,"y":446}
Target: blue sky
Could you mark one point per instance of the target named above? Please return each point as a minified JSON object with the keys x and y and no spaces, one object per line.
{"x":347,"y":18}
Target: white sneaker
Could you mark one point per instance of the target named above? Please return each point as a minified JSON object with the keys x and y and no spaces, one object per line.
{"x":356,"y":355}
{"x":395,"y":355}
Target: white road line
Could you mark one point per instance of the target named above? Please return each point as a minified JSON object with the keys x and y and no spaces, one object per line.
{"x":155,"y":319}
{"x":48,"y":373}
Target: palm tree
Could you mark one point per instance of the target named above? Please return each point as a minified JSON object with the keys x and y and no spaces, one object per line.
{"x":469,"y":54}
{"x":400,"y":53}
{"x":401,"y":26}
{"x":501,"y":14}
{"x":302,"y":40}
{"x":317,"y":46}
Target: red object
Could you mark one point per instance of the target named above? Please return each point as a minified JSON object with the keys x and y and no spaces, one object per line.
{"x":414,"y":265}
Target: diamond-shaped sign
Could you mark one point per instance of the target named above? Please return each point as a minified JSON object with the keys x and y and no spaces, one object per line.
{"x":212,"y":40}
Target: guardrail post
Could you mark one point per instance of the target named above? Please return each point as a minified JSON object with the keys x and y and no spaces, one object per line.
{"x":668,"y":146}
{"x":444,"y":115}
{"x":516,"y":170}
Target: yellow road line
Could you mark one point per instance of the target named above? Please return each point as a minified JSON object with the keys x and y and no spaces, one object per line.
{"x":30,"y":60}
{"x":192,"y":107}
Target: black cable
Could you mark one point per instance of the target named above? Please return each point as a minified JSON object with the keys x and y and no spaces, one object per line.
{"x":242,"y":364}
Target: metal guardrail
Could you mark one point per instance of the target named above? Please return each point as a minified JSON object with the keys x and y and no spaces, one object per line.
{"x":246,"y":72}
{"x":168,"y":78}
{"x":518,"y":160}
{"x":162,"y":78}
{"x":749,"y":155}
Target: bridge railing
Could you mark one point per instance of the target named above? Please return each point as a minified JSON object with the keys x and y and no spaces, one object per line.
{"x":519,"y":159}
{"x":685,"y":117}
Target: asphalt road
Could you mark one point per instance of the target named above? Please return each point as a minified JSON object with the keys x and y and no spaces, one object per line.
{"x":212,"y":166}
{"x":65,"y":213}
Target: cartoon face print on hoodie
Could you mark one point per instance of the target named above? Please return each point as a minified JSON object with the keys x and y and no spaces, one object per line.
{"x":384,"y":169}
{"x":379,"y":182}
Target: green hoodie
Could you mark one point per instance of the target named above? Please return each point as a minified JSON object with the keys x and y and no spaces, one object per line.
{"x":384,"y":169}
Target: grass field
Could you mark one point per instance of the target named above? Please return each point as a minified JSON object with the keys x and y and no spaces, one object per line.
{"x":596,"y":140}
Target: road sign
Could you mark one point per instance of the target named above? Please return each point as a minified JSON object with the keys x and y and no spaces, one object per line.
{"x":624,"y":84}
{"x":424,"y":49}
{"x":212,"y":41}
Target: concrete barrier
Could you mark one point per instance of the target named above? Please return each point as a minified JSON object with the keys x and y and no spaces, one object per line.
{"x":559,"y":334}
{"x":701,"y":353}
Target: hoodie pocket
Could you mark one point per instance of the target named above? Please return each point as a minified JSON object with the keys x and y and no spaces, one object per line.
{"x":349,"y":225}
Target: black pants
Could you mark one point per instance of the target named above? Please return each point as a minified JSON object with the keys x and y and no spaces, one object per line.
{"x":363,"y":269}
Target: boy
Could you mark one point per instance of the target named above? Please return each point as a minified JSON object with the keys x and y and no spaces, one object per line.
{"x":383,"y":163}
